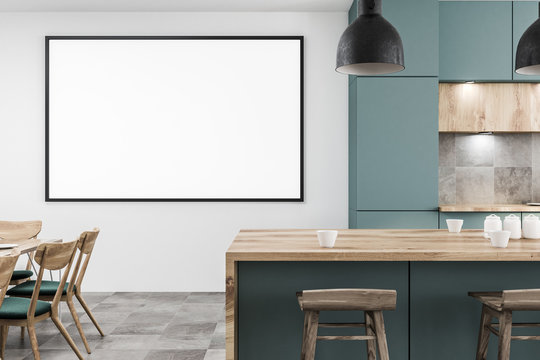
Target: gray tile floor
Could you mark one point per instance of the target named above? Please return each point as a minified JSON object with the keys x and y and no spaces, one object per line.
{"x":138,"y":326}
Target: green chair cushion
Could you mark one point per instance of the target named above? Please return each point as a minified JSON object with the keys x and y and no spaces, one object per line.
{"x":17,"y":308}
{"x":21,"y":274}
{"x":27,"y":288}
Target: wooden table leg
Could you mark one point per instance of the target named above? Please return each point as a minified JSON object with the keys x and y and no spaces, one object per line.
{"x":231,"y":310}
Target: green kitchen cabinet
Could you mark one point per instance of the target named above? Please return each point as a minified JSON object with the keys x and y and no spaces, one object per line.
{"x":524,"y":14}
{"x":475,"y":40}
{"x":270,"y":321}
{"x":396,"y":220}
{"x":471,"y":220}
{"x":396,"y":139}
{"x":417,"y":22}
{"x":444,"y":321}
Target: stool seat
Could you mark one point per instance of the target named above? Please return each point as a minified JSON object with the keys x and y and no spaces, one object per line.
{"x":492,"y":299}
{"x":500,"y":305}
{"x":347,"y":299}
{"x":371,"y":301}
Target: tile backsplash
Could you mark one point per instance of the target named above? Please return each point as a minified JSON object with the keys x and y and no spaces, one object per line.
{"x":489,"y":169}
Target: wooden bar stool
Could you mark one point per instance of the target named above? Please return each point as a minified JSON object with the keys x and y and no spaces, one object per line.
{"x":371,"y":302}
{"x":500,"y":305}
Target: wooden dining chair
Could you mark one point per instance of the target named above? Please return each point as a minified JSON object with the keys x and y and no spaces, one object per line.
{"x":20,"y":230}
{"x":19,"y":311}
{"x":7,"y":264}
{"x":500,"y":305}
{"x":48,"y":289}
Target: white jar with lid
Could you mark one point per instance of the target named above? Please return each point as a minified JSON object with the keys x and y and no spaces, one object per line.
{"x":492,"y":223}
{"x":531,"y":227}
{"x":512,"y":223}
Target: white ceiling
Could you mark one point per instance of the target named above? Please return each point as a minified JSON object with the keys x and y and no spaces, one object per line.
{"x":174,"y":5}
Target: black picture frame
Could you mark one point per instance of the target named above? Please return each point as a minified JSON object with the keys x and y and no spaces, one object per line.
{"x":48,"y":198}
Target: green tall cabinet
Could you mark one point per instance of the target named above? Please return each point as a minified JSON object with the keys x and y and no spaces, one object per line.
{"x":396,"y":144}
{"x":475,"y":39}
{"x":393,"y":152}
{"x":393,"y":128}
{"x":524,"y":13}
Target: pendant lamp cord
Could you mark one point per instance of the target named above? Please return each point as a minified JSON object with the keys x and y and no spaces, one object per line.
{"x":368,"y":7}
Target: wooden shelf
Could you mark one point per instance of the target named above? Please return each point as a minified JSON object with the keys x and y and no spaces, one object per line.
{"x":489,"y":208}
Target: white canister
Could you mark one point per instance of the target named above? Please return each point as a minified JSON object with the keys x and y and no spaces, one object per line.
{"x":531,"y":227}
{"x":492,"y":223}
{"x":512,"y":223}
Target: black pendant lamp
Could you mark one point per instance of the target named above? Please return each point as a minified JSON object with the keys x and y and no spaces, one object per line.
{"x":528,"y":51}
{"x":370,"y":45}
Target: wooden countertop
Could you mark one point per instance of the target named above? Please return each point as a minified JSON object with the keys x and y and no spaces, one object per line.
{"x":489,"y":208}
{"x":377,"y":245}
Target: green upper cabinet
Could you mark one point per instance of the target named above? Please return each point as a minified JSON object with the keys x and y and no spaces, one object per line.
{"x":417,"y":22}
{"x":396,"y":144}
{"x":524,"y":14}
{"x":475,"y":40}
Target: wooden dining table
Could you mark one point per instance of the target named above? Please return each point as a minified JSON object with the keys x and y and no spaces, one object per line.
{"x":24,"y":246}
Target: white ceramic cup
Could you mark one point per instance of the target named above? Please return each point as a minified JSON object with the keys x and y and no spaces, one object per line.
{"x":327,"y":238}
{"x":454,"y":225}
{"x":499,"y":238}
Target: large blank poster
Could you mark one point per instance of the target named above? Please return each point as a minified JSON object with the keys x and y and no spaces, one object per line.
{"x":174,"y":118}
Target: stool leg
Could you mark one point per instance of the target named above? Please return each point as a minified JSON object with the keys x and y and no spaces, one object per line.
{"x":381,"y":335}
{"x":483,"y":336}
{"x":311,"y":325}
{"x":307,"y":314}
{"x":505,"y":333}
{"x":371,"y":344}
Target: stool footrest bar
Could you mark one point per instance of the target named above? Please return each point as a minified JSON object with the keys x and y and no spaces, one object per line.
{"x":341,"y":325}
{"x":525,"y":337}
{"x":359,"y":338}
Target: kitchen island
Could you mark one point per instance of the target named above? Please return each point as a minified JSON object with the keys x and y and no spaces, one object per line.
{"x":432,"y":270}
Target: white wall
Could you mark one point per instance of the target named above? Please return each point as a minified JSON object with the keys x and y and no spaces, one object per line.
{"x":167,"y":246}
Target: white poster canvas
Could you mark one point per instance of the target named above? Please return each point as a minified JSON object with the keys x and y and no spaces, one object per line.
{"x":174,"y":119}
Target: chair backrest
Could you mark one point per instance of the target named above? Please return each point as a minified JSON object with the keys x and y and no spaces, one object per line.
{"x":52,"y":256}
{"x":528,"y":299}
{"x":19,"y":230}
{"x":55,"y":256}
{"x":85,"y":243}
{"x":348,"y":299}
{"x":7,"y":265}
{"x":87,"y":240}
